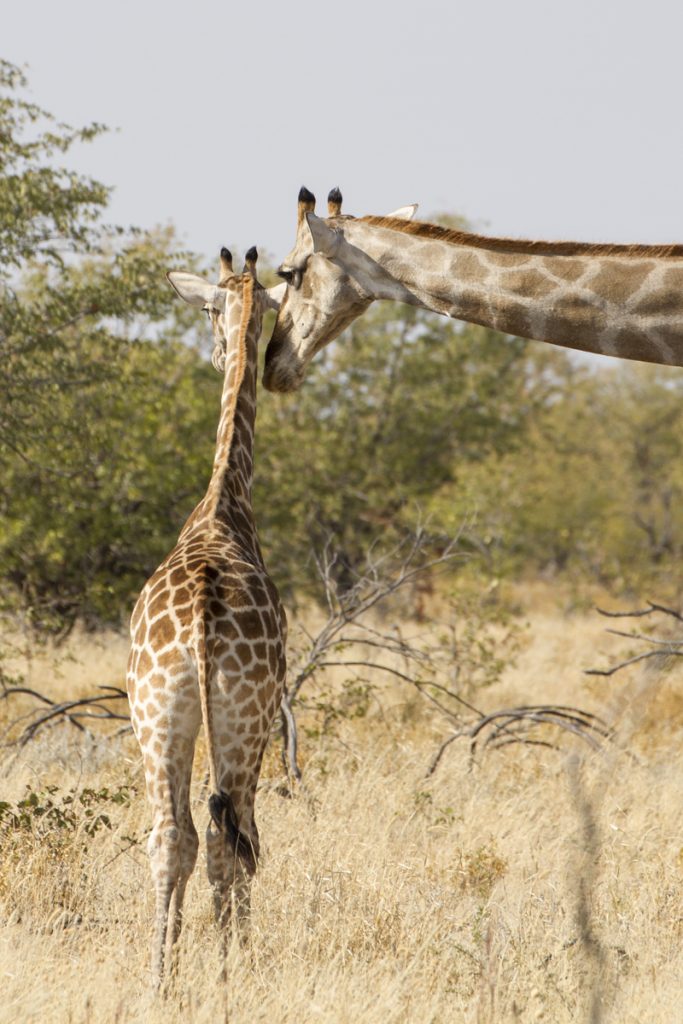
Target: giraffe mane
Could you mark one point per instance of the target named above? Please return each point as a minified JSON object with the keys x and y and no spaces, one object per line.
{"x":514,"y":245}
{"x":247,"y":306}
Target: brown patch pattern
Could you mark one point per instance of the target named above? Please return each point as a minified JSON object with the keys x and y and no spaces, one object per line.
{"x":208,"y":645}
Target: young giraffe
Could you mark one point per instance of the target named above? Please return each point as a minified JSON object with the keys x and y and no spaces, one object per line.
{"x":617,"y":300}
{"x":208,"y":640}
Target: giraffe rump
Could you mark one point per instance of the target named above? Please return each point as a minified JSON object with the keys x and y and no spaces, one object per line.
{"x":224,"y":817}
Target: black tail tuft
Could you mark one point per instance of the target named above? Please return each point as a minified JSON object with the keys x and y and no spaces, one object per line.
{"x":224,"y":816}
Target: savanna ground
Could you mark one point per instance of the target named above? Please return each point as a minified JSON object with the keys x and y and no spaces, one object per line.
{"x":534,"y":885}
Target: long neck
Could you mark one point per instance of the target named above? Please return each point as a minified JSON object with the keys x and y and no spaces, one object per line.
{"x":624,"y":301}
{"x":227,"y":502}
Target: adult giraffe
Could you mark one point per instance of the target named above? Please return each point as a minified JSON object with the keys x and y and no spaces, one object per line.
{"x":618,"y":300}
{"x":208,"y":639}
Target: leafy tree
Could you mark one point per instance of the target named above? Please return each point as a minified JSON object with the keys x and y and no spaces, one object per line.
{"x":595,"y":490}
{"x":388,"y":416}
{"x":86,"y":392}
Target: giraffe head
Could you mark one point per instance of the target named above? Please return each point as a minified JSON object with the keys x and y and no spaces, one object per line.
{"x":217,"y":300}
{"x":326,"y":289}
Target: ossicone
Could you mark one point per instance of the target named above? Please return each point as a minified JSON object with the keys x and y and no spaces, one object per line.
{"x":334,"y":202}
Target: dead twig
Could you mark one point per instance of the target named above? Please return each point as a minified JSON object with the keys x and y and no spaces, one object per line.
{"x":665,"y":647}
{"x":514,"y":725}
{"x":75,"y":712}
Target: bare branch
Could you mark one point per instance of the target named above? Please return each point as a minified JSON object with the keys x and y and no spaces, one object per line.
{"x":73,"y":711}
{"x":653,"y":607}
{"x":630,"y":661}
{"x":512,"y":725}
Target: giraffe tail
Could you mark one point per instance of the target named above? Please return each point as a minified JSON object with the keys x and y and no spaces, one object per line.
{"x":221,"y":806}
{"x":224,"y":816}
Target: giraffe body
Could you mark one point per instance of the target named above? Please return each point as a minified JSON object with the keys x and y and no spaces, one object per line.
{"x":617,"y":300}
{"x":208,"y":647}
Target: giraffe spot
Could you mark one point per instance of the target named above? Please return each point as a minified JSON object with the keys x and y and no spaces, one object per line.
{"x":178,"y":576}
{"x":251,"y":709}
{"x":565,"y":267}
{"x":237,"y":598}
{"x":619,"y":279}
{"x":158,"y":604}
{"x":259,"y":650}
{"x":665,"y":303}
{"x":468,"y":264}
{"x":163,"y":631}
{"x":243,"y":652}
{"x":250,"y":623}
{"x":241,"y":524}
{"x":156,"y":583}
{"x":243,"y":693}
{"x":257,"y":592}
{"x":673,"y":278}
{"x":528,"y":282}
{"x":258,"y":673}
{"x":216,"y":610}
{"x":144,"y":738}
{"x":510,"y":260}
{"x":272,"y":659}
{"x":266,"y":693}
{"x":144,"y":664}
{"x":168,"y":659}
{"x":268,"y":622}
{"x":515,"y":320}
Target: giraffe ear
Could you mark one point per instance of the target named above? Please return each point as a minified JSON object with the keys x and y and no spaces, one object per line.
{"x":323,"y":238}
{"x":404,"y":212}
{"x":196,"y":290}
{"x":275,"y":295}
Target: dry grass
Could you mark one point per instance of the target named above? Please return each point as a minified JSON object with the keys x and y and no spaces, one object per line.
{"x":539,"y":886}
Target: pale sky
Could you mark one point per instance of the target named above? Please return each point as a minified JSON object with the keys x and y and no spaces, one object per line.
{"x":533,"y":118}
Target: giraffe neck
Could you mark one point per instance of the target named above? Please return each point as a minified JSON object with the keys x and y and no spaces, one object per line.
{"x":624,"y":301}
{"x":227,"y":503}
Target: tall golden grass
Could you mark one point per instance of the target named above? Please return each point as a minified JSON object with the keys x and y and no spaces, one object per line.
{"x":536,"y":885}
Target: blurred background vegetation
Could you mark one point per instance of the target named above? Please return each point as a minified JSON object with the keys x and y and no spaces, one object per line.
{"x":109,"y":404}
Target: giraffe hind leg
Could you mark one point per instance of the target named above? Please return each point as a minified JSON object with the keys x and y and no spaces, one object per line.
{"x":224,"y":816}
{"x":188,"y":846}
{"x":232,"y":857}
